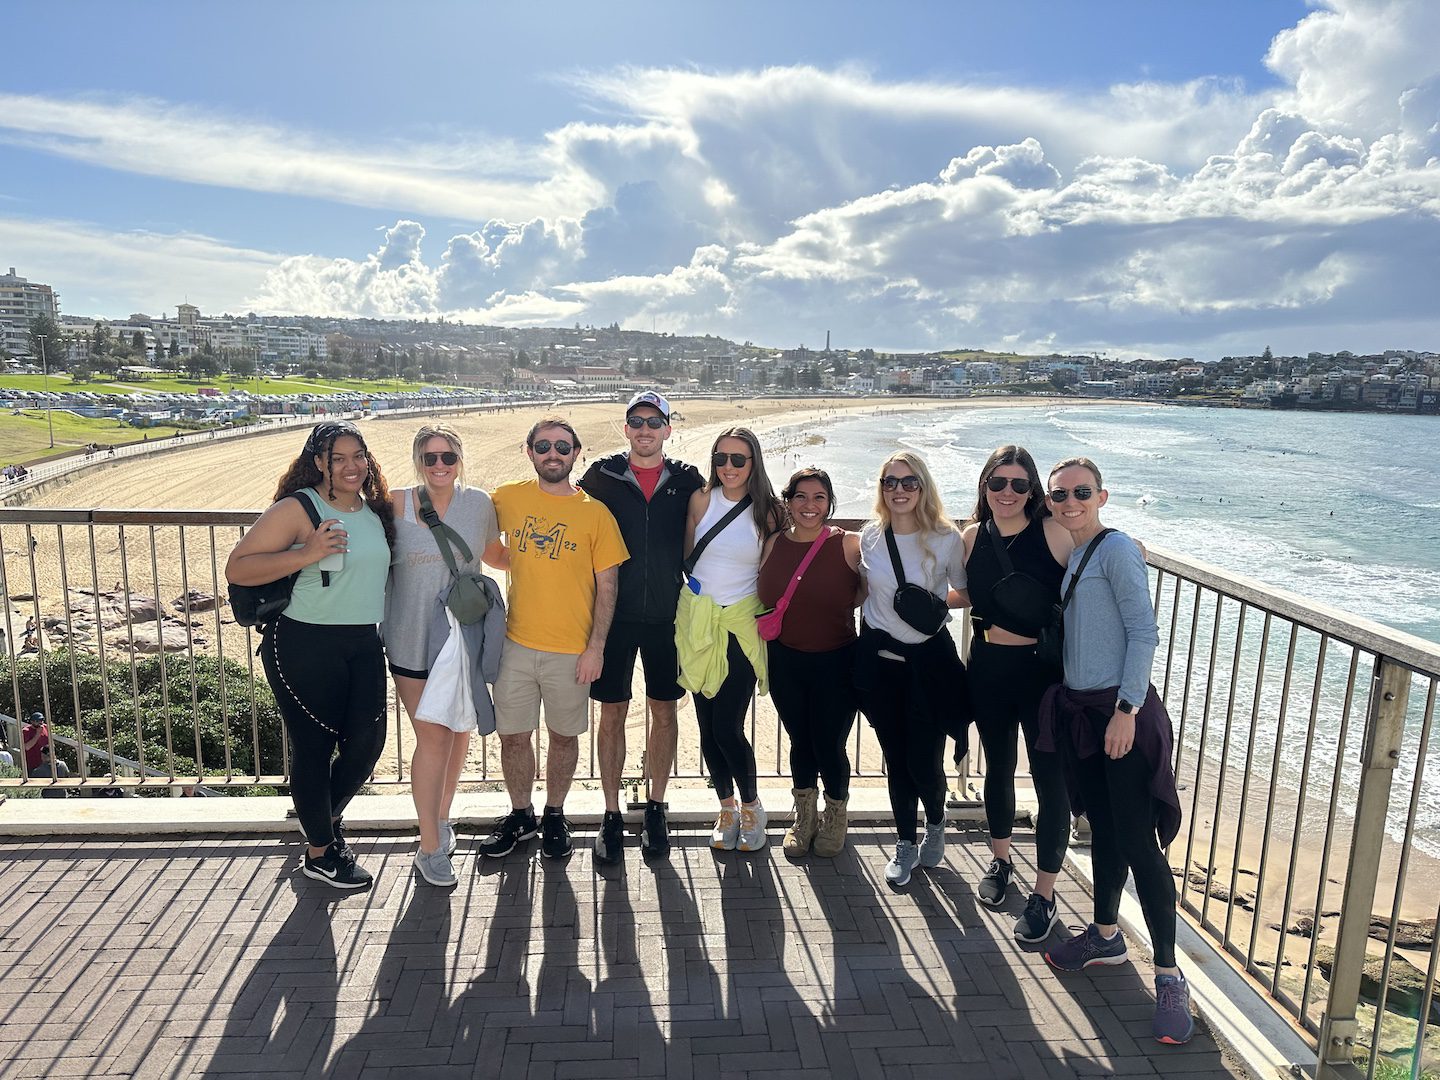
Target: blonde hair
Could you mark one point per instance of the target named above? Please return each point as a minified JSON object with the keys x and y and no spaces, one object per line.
{"x":444,"y":431}
{"x":929,"y":511}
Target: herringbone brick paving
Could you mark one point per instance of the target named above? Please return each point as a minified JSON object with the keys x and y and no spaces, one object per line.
{"x":214,"y":957}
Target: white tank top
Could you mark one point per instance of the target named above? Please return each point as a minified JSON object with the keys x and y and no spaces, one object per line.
{"x":730,"y":564}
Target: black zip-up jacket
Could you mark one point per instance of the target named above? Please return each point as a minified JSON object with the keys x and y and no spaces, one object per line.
{"x":654,"y":532}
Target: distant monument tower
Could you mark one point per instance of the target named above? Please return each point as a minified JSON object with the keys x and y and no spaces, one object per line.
{"x":827,"y":342}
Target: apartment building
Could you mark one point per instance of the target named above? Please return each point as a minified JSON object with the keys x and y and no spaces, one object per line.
{"x":20,"y":302}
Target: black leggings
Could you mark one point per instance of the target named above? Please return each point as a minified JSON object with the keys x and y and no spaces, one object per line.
{"x":728,"y":754}
{"x":1006,"y":684}
{"x":329,"y":683}
{"x":1122,"y":829}
{"x":813,"y":694}
{"x":913,"y":745}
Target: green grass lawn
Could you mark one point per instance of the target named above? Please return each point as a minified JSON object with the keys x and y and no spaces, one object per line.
{"x":25,"y":436}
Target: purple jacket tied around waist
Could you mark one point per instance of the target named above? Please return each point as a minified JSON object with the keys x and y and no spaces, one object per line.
{"x":1081,"y":716}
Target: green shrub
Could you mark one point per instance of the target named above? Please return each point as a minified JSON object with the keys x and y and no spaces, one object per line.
{"x":192,"y":694}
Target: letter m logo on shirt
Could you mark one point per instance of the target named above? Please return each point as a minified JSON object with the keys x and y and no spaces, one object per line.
{"x":544,"y":542}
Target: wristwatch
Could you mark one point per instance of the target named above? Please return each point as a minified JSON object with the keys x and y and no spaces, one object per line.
{"x":1125,"y":706}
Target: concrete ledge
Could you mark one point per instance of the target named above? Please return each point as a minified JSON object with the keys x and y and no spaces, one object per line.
{"x":473,"y":811}
{"x":1241,"y":1017}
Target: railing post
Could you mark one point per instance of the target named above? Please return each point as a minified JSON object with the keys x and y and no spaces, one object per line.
{"x":1384,"y":731}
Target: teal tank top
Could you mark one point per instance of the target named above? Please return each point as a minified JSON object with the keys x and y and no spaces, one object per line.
{"x":356,"y":594}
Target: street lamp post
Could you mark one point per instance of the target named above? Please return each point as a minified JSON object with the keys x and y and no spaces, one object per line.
{"x":49,"y":405}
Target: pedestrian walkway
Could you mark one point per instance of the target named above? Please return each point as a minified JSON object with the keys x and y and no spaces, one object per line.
{"x":211,"y":956}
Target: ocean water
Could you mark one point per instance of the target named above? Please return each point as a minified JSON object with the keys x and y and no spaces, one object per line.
{"x":1343,"y":509}
{"x":1339,"y":508}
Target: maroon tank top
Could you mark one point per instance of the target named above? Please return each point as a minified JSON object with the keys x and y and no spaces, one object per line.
{"x":821,"y":615}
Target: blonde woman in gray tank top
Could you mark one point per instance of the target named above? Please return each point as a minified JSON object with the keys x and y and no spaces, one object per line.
{"x":418,"y":576}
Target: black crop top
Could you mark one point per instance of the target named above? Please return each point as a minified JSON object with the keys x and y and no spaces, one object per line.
{"x":1029,"y":553}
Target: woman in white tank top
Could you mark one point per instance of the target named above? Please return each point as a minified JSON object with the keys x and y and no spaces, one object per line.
{"x":722,"y":658}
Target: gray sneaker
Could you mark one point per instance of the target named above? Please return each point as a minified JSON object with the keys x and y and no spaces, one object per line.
{"x":932,"y":848}
{"x":435,"y":868}
{"x":897,"y":871}
{"x":448,"y":842}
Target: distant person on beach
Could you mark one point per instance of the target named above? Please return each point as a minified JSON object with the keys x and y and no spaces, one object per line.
{"x":811,"y":659}
{"x":722,"y":658}
{"x":909,"y":676}
{"x":416,"y":628}
{"x":322,"y":655}
{"x":562,"y":549}
{"x":1015,"y":556}
{"x":1115,"y":736}
{"x":648,"y":494}
{"x":35,"y":741}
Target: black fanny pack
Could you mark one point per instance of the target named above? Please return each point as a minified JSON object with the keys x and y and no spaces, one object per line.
{"x":917,"y":606}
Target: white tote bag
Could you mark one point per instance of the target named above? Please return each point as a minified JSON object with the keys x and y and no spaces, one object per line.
{"x":448,"y":699}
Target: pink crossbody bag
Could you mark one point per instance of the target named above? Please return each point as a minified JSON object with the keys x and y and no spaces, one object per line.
{"x":768,"y":625}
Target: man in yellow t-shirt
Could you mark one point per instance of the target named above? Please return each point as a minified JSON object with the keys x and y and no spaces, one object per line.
{"x":563,"y":550}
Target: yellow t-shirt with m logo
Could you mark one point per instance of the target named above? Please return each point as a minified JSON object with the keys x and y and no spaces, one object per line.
{"x":558,"y":543}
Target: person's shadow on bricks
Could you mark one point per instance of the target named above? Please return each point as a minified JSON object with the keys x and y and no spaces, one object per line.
{"x":283,"y":1016}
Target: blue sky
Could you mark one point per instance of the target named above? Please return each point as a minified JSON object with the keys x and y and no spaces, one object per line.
{"x":1167,"y":178}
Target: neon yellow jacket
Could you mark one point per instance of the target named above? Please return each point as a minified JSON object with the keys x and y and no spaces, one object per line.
{"x":701,"y":626}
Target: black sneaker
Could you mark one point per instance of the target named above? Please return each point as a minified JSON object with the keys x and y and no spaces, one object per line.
{"x":610,"y":840}
{"x":1041,"y":916}
{"x":339,"y":830}
{"x":555,"y":833}
{"x":996,"y":883}
{"x":514,"y":827}
{"x":655,"y":833}
{"x":337,"y":869}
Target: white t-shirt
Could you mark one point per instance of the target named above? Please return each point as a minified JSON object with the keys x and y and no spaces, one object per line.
{"x":941,"y":570}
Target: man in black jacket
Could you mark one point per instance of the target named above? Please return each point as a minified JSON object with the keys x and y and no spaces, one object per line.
{"x":648,"y":494}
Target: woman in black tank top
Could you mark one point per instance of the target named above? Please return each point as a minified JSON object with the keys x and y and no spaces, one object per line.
{"x":1007,"y":679}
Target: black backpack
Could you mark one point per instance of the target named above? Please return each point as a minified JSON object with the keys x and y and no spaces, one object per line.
{"x":257,"y":605}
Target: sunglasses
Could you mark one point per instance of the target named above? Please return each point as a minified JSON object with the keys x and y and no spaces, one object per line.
{"x":905,"y":483}
{"x":449,"y":457}
{"x":1018,"y":484}
{"x":737,"y":461}
{"x":1083,"y":492}
{"x":654,"y":423}
{"x":542,"y":446}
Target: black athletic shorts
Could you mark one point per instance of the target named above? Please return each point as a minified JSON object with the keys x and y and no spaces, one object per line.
{"x":656,"y":644}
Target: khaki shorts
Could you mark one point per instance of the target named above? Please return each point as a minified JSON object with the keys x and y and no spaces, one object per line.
{"x":528,"y":678}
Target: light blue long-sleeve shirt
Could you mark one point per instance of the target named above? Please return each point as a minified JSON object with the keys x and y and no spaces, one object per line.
{"x":1110,"y":630}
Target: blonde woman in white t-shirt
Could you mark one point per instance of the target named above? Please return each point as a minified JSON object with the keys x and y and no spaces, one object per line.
{"x":911,"y":682}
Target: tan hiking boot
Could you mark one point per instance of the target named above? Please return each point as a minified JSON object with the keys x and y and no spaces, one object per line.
{"x":800,"y":834}
{"x":830,"y":839}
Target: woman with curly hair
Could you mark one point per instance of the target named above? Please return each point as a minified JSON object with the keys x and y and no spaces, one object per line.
{"x":322,"y":655}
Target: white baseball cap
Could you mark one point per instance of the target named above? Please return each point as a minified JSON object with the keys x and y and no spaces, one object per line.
{"x":649,"y":397}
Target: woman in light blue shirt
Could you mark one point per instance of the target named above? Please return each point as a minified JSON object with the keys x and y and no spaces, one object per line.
{"x":322,"y":655}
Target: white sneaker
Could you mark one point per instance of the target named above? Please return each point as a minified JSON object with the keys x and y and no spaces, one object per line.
{"x":897,"y":871}
{"x":932,"y":848}
{"x":448,"y":842}
{"x":753,"y":820}
{"x":726,"y":833}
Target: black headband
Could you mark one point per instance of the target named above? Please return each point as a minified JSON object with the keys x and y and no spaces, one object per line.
{"x":328,"y":432}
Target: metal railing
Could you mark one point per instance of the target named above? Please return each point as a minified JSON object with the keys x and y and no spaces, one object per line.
{"x":1303,"y":747}
{"x":1309,"y":851}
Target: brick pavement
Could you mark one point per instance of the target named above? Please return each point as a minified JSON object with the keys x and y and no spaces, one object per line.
{"x":216,"y":958}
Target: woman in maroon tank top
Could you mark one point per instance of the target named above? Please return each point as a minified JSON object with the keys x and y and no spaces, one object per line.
{"x":810,"y":661}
